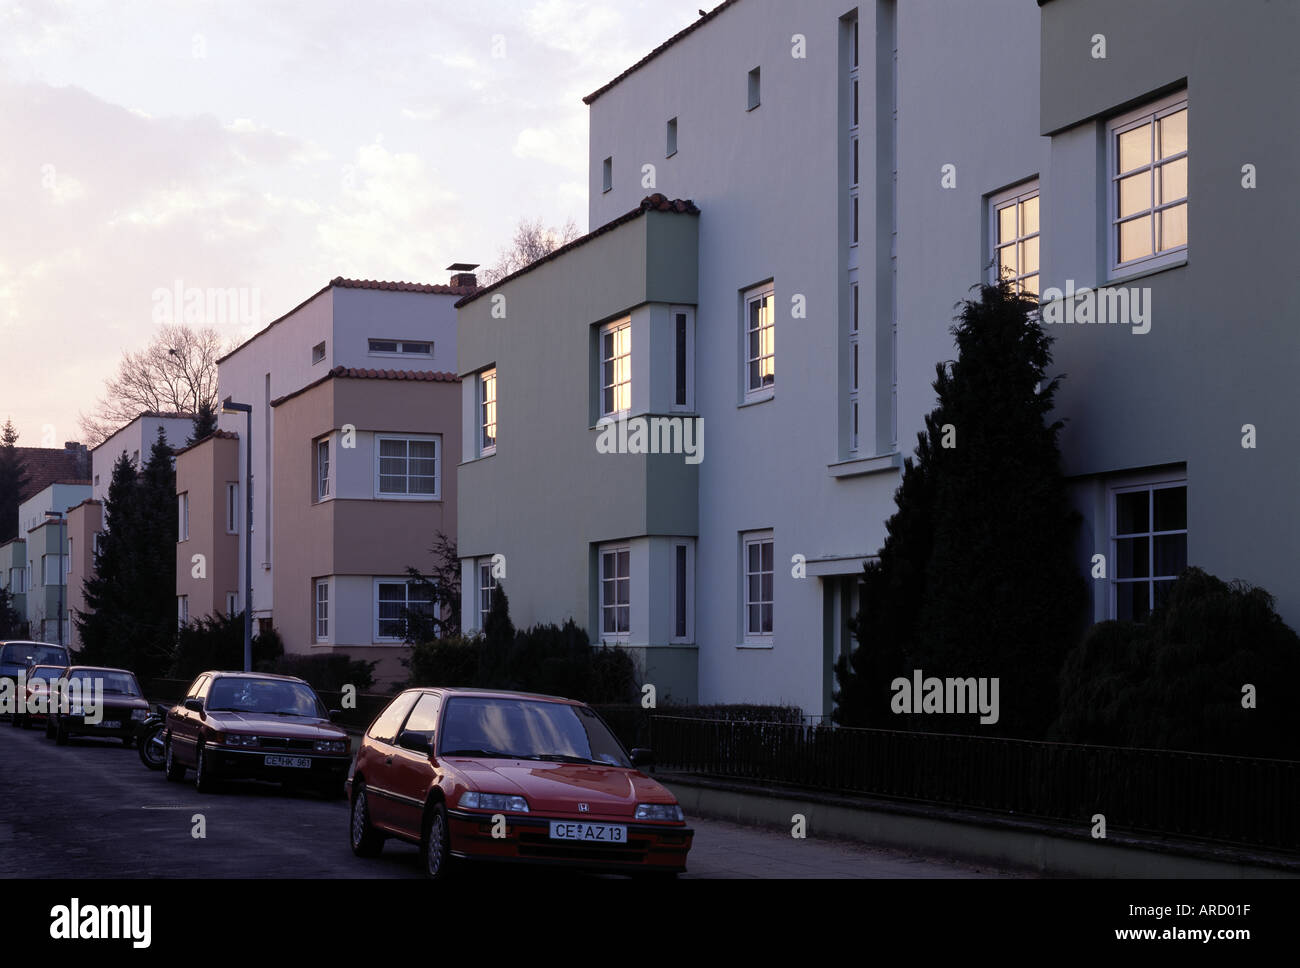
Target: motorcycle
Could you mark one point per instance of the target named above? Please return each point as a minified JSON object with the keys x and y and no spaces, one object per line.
{"x":149,"y":740}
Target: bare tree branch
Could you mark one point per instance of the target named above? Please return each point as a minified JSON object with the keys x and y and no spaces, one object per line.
{"x":532,"y":241}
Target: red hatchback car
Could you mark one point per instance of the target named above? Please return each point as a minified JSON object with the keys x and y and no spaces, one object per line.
{"x":509,"y":776}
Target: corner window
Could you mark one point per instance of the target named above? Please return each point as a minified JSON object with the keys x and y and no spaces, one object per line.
{"x":760,"y":340}
{"x":408,"y":467}
{"x":322,"y":469}
{"x":487,"y":586}
{"x":683,"y":358}
{"x":487,"y":412}
{"x":1148,"y":545}
{"x":683,"y":592}
{"x":616,"y":368}
{"x":758,"y":568}
{"x":1013,"y":218}
{"x":393,"y":598}
{"x":232,"y":507}
{"x":1147,"y":153}
{"x":322,"y":611}
{"x":615,"y":593}
{"x":182,"y":610}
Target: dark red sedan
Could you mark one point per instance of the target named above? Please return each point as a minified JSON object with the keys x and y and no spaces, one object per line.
{"x":508,"y":776}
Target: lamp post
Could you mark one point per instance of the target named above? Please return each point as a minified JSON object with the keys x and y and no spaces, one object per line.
{"x":58,"y":619}
{"x":228,"y":406}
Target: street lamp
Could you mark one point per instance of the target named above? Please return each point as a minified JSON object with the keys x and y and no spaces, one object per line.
{"x":228,"y":406}
{"x":58,"y":619}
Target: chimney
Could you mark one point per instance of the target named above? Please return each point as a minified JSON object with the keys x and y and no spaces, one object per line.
{"x":463,"y":274}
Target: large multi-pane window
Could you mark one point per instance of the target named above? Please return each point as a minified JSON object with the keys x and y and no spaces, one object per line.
{"x":759,"y":573}
{"x":1014,"y":218}
{"x":393,"y":599}
{"x":487,"y":412}
{"x":408,"y":467}
{"x":1149,"y":541}
{"x":760,"y":340}
{"x":615,"y":593}
{"x":616,"y":368}
{"x":1148,"y":192}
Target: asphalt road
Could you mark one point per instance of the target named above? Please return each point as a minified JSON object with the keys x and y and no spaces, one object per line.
{"x":90,"y":809}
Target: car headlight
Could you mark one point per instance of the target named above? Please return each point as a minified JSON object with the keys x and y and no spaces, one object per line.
{"x":331,"y":746}
{"x":139,"y":714}
{"x":493,"y":801}
{"x":659,"y":811}
{"x":240,"y":739}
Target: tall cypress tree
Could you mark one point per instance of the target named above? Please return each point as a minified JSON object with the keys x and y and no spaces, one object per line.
{"x":155,"y":594}
{"x":977,"y":577}
{"x":205,"y":422}
{"x":13,"y":478}
{"x":106,"y":626}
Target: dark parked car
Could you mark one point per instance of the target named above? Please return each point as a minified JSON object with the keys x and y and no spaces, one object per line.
{"x":246,"y":725}
{"x":96,"y":701}
{"x":507,"y":776}
{"x":36,"y":701}
{"x":17,"y":654}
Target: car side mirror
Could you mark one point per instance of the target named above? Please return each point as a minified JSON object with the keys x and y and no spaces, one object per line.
{"x":335,"y":715}
{"x":643,"y":757}
{"x":409,"y":739}
{"x":194,"y":705}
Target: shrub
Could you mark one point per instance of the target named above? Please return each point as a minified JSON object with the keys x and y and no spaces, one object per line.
{"x":444,"y":662}
{"x":327,"y":673}
{"x":217,"y":642}
{"x":1177,"y":680}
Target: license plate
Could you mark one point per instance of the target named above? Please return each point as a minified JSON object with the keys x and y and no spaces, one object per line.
{"x":595,"y":833}
{"x":297,"y":762}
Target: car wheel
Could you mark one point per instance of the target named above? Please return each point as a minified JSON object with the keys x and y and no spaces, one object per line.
{"x":152,"y":753}
{"x":366,"y":841}
{"x":204,"y":781}
{"x":61,"y":733}
{"x":172,"y":770}
{"x":435,"y":845}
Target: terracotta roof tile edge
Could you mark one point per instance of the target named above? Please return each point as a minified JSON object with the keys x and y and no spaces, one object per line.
{"x":356,"y":373}
{"x":691,"y":28}
{"x":215,"y":435}
{"x":657,"y":202}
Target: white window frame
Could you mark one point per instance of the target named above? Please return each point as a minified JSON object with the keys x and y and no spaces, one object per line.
{"x":321,"y":609}
{"x":609,"y":367}
{"x":1147,"y":114}
{"x":689,"y":602}
{"x":232,"y":507}
{"x":183,"y":516}
{"x":408,"y":439}
{"x":751,"y":638}
{"x":318,"y":353}
{"x":1129,"y":485}
{"x":1017,"y":196}
{"x":758,"y":294}
{"x":485,"y":585}
{"x":322,"y":468}
{"x":401,"y":348}
{"x":483,"y":419}
{"x":404,"y":582}
{"x":854,"y":344}
{"x":605,"y":552}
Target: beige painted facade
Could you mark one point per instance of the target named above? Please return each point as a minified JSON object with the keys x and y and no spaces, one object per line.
{"x":85,"y":521}
{"x":334,"y":525}
{"x":203,"y":473}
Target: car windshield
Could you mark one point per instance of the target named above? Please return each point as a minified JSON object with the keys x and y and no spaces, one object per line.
{"x":114,"y":683}
{"x":527,"y":729}
{"x":22,"y":652}
{"x":44,"y":672}
{"x":273,"y":697}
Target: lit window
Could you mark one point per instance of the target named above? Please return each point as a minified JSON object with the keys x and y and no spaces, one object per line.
{"x":760,"y":340}
{"x":616,"y":367}
{"x":1015,"y":224}
{"x":1148,"y":194}
{"x":487,"y":402}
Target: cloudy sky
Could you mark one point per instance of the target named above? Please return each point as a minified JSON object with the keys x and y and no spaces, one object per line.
{"x":271,"y":145}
